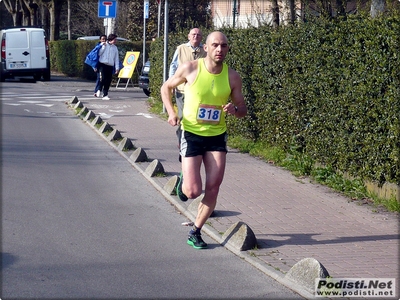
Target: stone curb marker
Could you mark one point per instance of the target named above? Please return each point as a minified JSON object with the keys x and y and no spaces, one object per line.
{"x":125,"y":144}
{"x":114,"y":135}
{"x":155,"y":168}
{"x":305,"y":272}
{"x":139,"y":155}
{"x":240,"y":236}
{"x":90,"y":115}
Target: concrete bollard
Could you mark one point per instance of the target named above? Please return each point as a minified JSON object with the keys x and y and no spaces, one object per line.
{"x":240,"y":236}
{"x":115,"y":135}
{"x":139,"y":155}
{"x":126,"y":144}
{"x":154,"y":168}
{"x":305,"y":272}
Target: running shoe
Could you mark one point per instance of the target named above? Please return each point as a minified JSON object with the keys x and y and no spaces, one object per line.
{"x":179,"y":192}
{"x":196,"y":241}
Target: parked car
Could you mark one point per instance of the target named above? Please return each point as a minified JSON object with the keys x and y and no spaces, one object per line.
{"x":24,"y":52}
{"x":144,"y":78}
{"x":97,"y":37}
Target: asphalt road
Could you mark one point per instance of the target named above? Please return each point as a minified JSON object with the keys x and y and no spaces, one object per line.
{"x":78,"y":221}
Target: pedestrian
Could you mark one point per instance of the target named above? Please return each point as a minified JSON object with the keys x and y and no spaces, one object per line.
{"x":209,"y":85}
{"x":191,"y":50}
{"x":97,"y":89}
{"x":108,"y":62}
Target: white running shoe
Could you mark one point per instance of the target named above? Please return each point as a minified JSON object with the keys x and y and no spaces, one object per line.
{"x":106,"y":98}
{"x":97,"y":94}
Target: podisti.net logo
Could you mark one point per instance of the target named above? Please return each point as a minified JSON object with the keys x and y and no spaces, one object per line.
{"x":355,"y":287}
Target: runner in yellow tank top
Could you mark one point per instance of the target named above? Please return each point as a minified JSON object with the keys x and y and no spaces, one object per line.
{"x":209,"y":85}
{"x":203,"y":114}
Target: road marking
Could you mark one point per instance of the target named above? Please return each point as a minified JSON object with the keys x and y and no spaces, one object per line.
{"x":31,"y":101}
{"x":45,"y":105}
{"x":105,"y":116}
{"x":148,"y":116}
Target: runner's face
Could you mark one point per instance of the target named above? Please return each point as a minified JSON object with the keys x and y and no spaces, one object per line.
{"x":103,"y":39}
{"x":217,"y":47}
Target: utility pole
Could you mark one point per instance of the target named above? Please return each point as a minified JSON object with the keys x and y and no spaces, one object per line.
{"x":234,"y":13}
{"x":166,"y":17}
{"x":159,"y":17}
{"x":145,"y":16}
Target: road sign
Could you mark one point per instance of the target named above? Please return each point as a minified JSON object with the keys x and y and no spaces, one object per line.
{"x":146,"y":9}
{"x":107,"y":9}
{"x":130,"y":61}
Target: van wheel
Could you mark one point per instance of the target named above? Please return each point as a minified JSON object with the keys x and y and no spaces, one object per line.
{"x":46,"y":76}
{"x":2,"y":78}
{"x":147,"y":92}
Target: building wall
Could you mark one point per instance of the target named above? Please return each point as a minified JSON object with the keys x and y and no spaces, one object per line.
{"x":248,"y":12}
{"x":256,"y":12}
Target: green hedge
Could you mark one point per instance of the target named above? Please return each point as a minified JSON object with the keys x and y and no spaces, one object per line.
{"x":328,"y":88}
{"x":68,"y":57}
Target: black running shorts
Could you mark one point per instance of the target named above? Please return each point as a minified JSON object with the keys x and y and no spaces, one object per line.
{"x":194,"y":145}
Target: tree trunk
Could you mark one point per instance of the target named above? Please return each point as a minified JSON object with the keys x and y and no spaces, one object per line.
{"x":69,"y":20}
{"x":30,"y":12}
{"x":287,"y":12}
{"x":275,"y":14}
{"x":54,"y":7}
{"x":341,"y":8}
{"x":377,"y":7}
{"x":26,"y":14}
{"x":12,"y":7}
{"x":326,"y":8}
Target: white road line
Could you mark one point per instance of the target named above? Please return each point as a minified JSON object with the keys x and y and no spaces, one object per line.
{"x":31,"y":101}
{"x":45,"y":105}
{"x":144,"y":115}
{"x":105,"y":116}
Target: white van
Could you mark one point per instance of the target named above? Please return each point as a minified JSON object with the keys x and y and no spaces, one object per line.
{"x":24,"y":52}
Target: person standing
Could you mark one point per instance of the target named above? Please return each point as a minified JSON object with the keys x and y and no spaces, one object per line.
{"x":209,"y":85}
{"x":108,"y":62}
{"x":189,"y":51}
{"x":97,"y":90}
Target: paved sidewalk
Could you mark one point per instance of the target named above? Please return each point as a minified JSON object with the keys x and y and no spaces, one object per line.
{"x":291,"y":217}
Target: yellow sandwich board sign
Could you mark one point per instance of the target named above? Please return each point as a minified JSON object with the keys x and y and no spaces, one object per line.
{"x":129,"y":63}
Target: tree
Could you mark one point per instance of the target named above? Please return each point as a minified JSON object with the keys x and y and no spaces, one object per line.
{"x":377,"y":7}
{"x":186,"y":14}
{"x":13,"y":7}
{"x":54,"y":8}
{"x":275,"y":13}
{"x":289,"y":13}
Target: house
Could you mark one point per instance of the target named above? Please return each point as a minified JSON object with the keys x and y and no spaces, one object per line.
{"x":245,"y":13}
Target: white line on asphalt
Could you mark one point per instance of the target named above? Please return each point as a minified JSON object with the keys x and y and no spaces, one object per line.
{"x":31,"y":101}
{"x":144,"y":115}
{"x":46,"y":105}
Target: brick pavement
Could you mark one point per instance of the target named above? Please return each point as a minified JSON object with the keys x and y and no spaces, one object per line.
{"x":291,"y":217}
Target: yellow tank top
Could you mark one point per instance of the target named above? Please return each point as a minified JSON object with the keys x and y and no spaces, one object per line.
{"x":202,"y":112}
